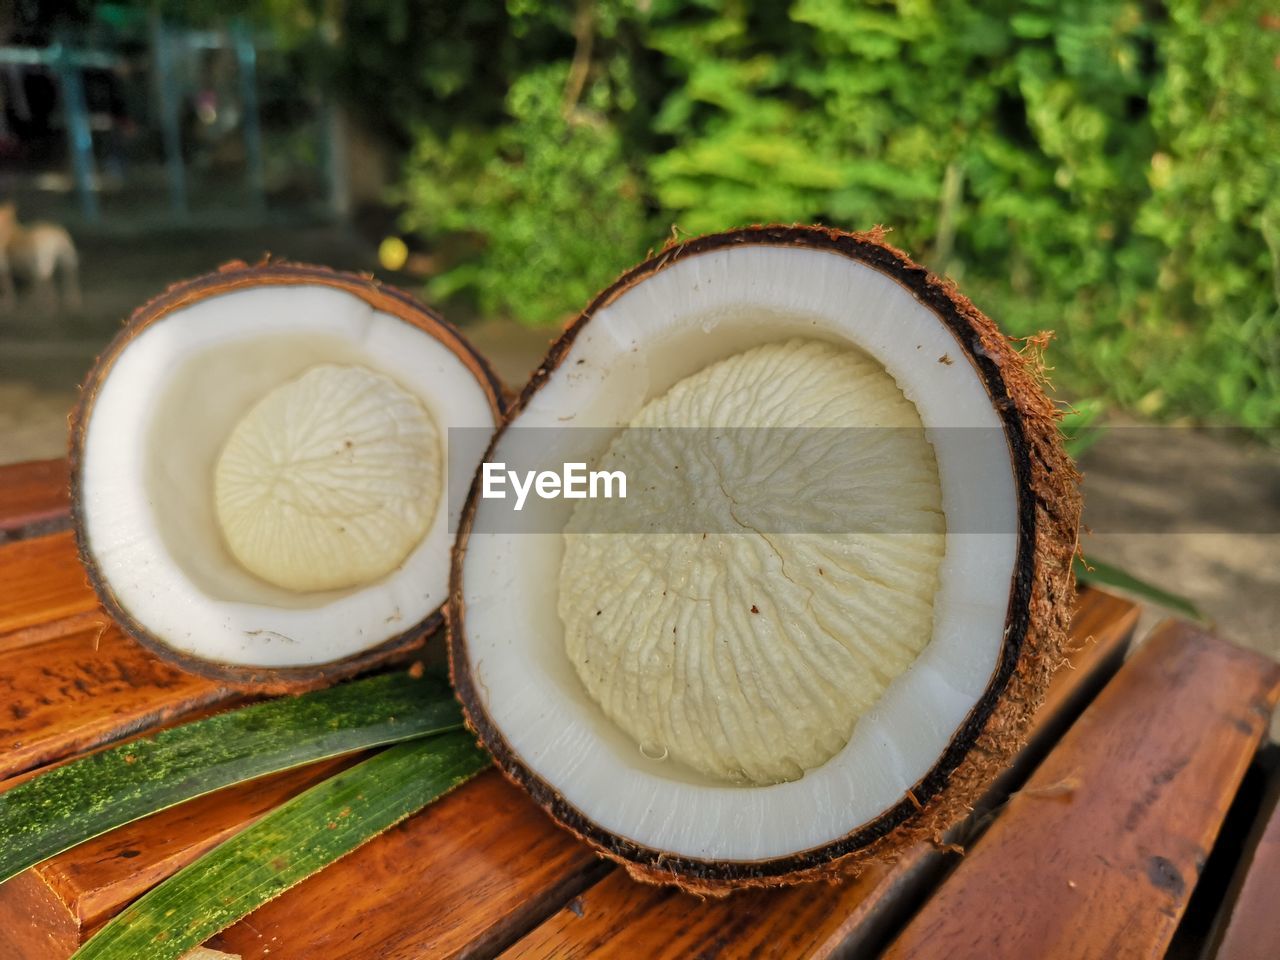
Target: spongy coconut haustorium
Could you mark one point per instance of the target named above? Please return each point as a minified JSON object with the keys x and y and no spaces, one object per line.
{"x":258,"y":472}
{"x":784,"y":662}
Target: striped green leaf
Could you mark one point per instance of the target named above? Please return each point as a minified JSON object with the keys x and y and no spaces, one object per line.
{"x":1101,"y":574}
{"x":85,"y":798}
{"x":292,"y":842}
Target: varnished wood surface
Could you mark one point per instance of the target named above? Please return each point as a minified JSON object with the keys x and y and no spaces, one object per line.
{"x":460,"y":879}
{"x":484,"y":871}
{"x":1251,"y":923}
{"x":621,"y":918}
{"x":1097,"y":855}
{"x":90,"y":687}
{"x":34,"y":923}
{"x":43,"y":591}
{"x":34,"y":498}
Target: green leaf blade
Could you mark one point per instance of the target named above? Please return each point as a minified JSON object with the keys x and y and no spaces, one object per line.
{"x":297,"y":839}
{"x":1097,"y":573}
{"x":88,"y":797}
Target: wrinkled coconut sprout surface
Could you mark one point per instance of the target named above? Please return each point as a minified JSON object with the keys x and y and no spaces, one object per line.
{"x":330,"y":480}
{"x":751,"y":655}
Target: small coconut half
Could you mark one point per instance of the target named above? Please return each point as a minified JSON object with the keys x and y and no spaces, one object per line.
{"x":820,"y":622}
{"x":258,"y":466}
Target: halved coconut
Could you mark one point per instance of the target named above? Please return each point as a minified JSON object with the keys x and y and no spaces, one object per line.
{"x":819,"y":623}
{"x":258,"y":472}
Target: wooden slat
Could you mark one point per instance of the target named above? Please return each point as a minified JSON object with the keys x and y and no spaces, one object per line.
{"x":1250,"y":926}
{"x":43,"y":591}
{"x":619,"y":917}
{"x":33,"y":923}
{"x":89,"y":884}
{"x":1097,"y":856}
{"x":87,"y":688}
{"x":462,"y":878}
{"x":34,"y":498}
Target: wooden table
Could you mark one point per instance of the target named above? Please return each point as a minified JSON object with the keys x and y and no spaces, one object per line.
{"x":1140,"y":821}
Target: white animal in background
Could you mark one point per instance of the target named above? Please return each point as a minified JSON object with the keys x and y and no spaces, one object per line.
{"x":40,"y":253}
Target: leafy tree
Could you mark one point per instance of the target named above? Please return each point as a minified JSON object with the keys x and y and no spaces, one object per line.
{"x":1104,"y":168}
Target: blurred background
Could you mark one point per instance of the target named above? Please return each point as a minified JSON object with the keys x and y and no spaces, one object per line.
{"x":1105,"y":169}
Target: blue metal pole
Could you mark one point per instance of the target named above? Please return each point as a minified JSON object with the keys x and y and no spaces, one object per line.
{"x":247,"y":57}
{"x":170,"y":121}
{"x":335,"y":161}
{"x":79,"y":135}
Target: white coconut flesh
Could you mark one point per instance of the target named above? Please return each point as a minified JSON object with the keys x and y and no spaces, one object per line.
{"x":750,"y":655}
{"x":330,"y":480}
{"x":220,"y":402}
{"x":664,"y":785}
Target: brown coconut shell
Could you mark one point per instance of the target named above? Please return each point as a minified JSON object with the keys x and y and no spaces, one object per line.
{"x":233,"y":276}
{"x":1041,"y":598}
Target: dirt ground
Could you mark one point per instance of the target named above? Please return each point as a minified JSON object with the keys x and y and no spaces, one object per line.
{"x":1196,"y":512}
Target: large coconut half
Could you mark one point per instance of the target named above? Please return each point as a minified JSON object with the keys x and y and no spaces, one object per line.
{"x":820,"y":621}
{"x":258,"y":471}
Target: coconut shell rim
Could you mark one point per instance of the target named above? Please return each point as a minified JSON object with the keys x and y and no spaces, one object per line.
{"x":996,"y":725}
{"x":231,"y":277}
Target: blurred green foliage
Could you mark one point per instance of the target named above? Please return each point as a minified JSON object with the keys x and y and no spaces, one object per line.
{"x":1108,"y":169}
